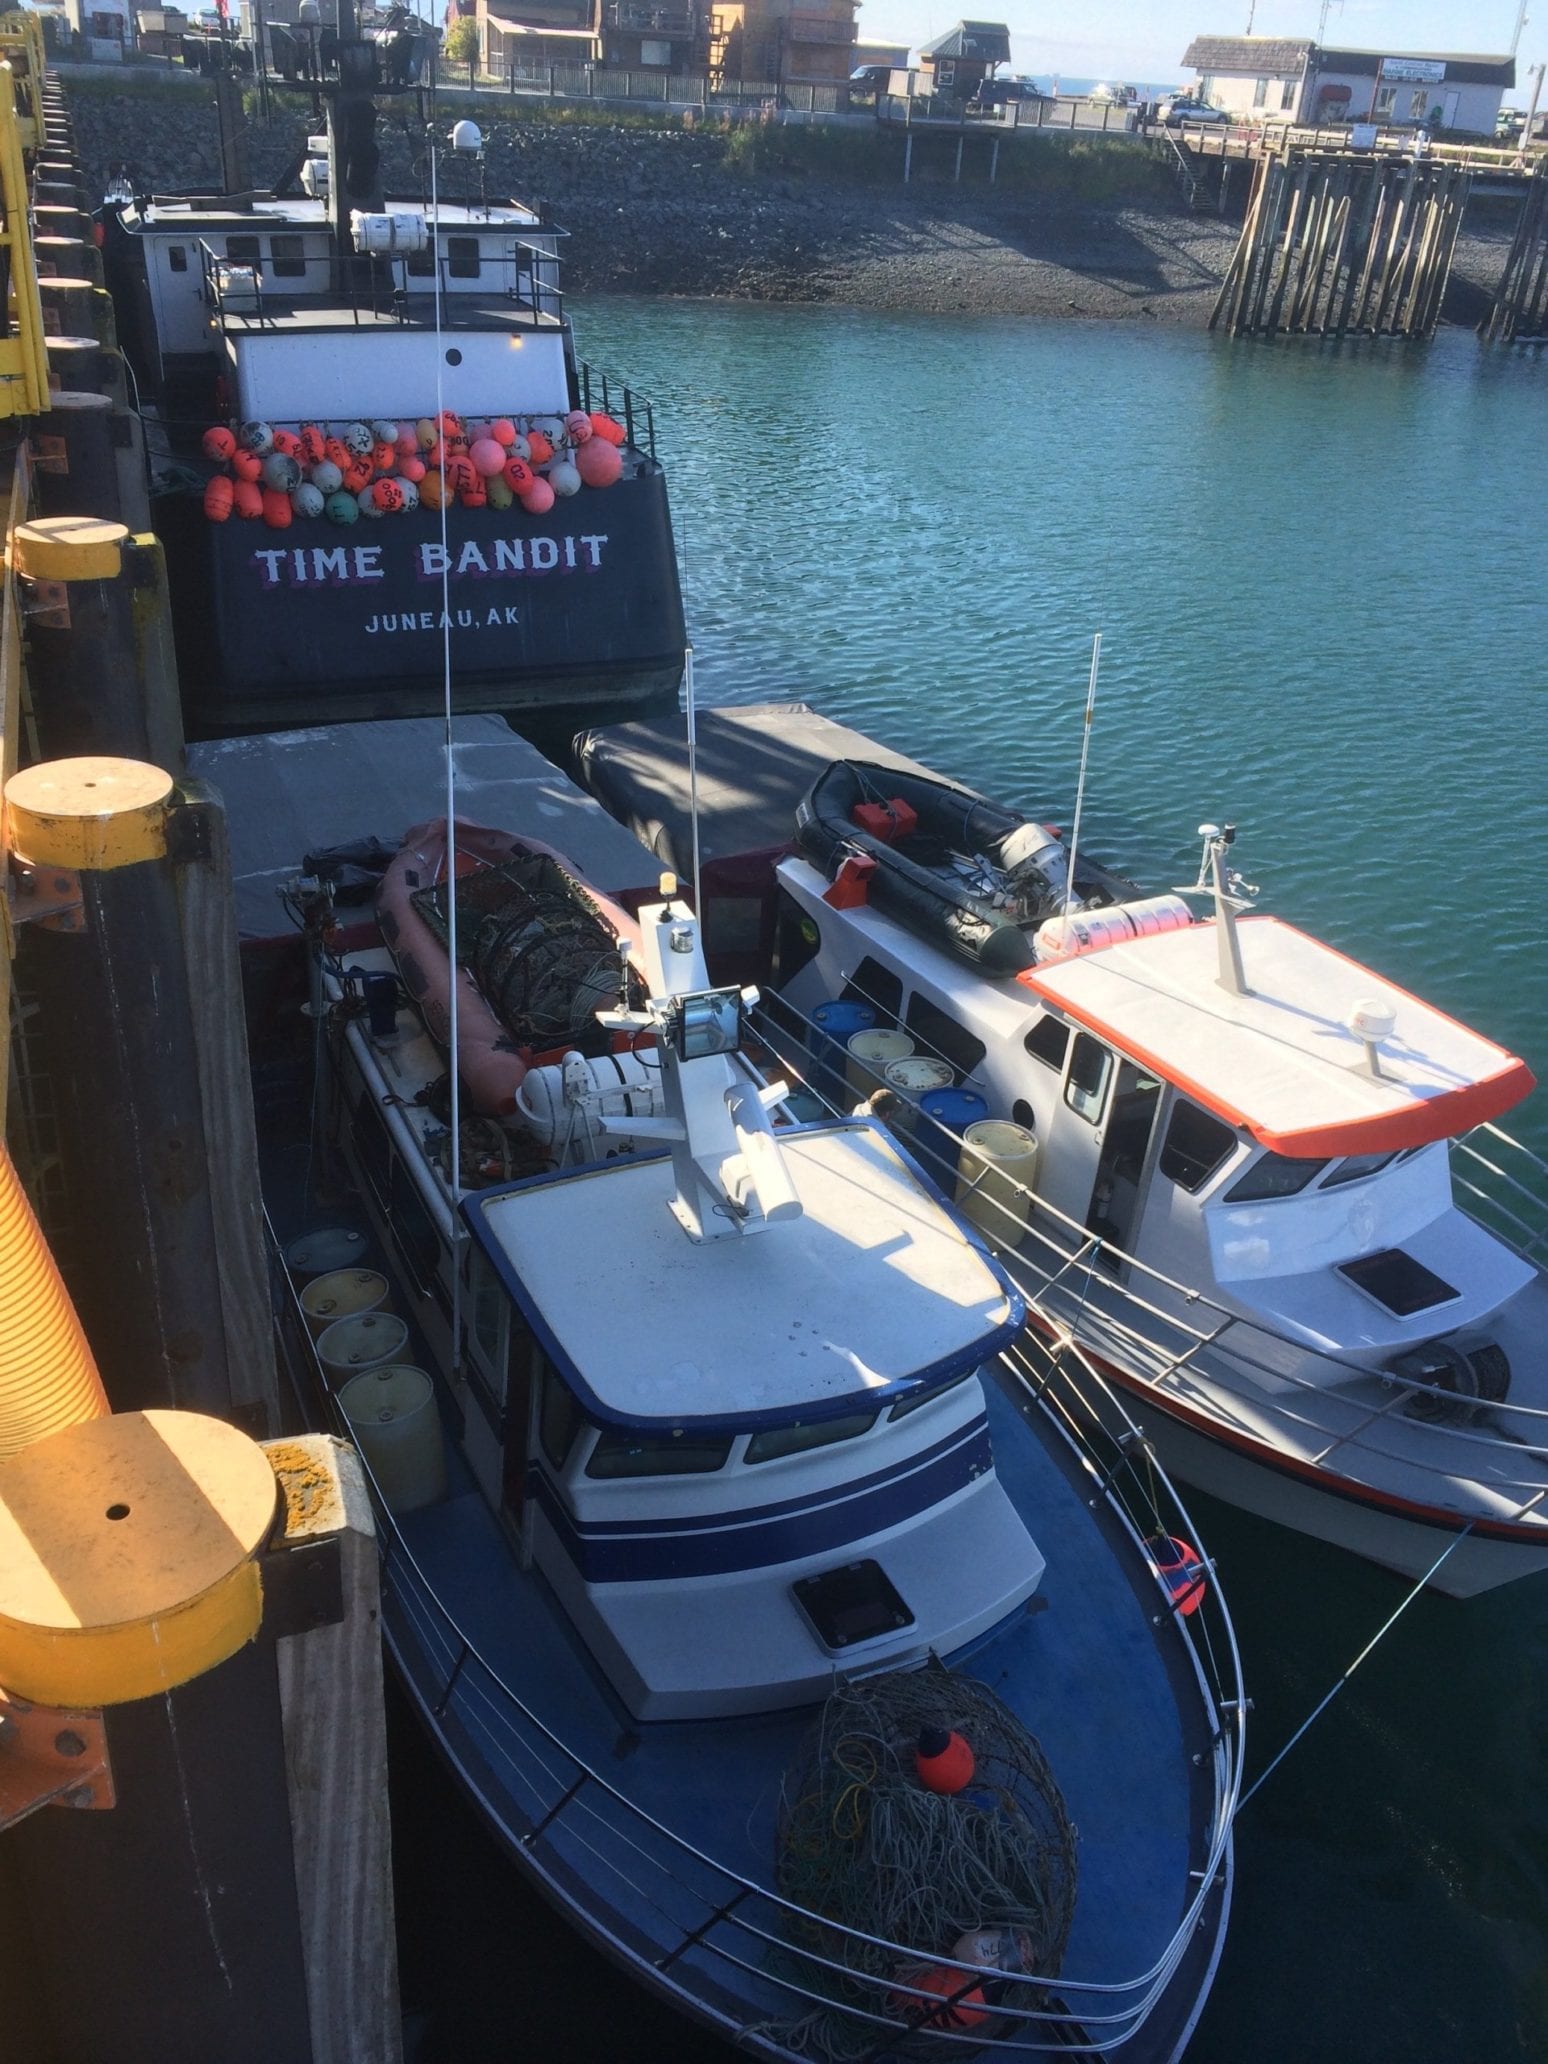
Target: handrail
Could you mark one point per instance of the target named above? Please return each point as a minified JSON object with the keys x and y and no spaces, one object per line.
{"x":380,"y":285}
{"x":1116,"y":2008}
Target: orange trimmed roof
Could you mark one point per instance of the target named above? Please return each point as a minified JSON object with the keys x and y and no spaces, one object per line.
{"x":1280,"y":1062}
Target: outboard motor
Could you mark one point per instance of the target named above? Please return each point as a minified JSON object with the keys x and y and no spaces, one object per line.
{"x":1036,"y":867}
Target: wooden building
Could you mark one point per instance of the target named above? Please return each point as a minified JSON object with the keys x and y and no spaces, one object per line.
{"x":959,"y":61}
{"x":640,"y":35}
{"x":782,"y":44}
{"x":522,"y":38}
{"x":1264,"y":78}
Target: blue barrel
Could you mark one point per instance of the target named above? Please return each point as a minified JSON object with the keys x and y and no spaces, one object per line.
{"x":834,"y":1024}
{"x":841,"y":1021}
{"x":956,"y":1109}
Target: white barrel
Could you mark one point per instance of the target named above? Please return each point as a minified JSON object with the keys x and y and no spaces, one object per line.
{"x":870,"y":1055}
{"x":350,"y":1345}
{"x":321,"y":1252}
{"x":346,"y":1293}
{"x":1086,"y":931}
{"x":993,"y":1169}
{"x":914,"y":1078}
{"x":391,"y":1412}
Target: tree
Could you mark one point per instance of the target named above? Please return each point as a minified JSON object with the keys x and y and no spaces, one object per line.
{"x":461,"y":45}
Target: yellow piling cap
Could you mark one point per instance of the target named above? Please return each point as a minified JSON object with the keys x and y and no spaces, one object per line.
{"x":95,"y":813}
{"x":68,"y":548}
{"x":127,"y":1550}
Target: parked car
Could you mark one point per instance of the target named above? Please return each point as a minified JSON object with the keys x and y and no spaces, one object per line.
{"x":1120,"y":96}
{"x":995,"y":93}
{"x":1183,"y":113}
{"x":868,"y":82}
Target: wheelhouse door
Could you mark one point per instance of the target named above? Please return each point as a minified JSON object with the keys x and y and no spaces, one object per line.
{"x":1069,"y":1156}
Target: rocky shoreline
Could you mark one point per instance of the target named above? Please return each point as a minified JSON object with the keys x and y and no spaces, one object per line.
{"x":671,"y":211}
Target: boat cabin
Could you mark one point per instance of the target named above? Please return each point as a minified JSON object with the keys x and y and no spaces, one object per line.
{"x":1262,"y":1147}
{"x":785,"y":1470}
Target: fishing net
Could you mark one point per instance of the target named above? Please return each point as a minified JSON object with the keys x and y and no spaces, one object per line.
{"x":862,"y":1842}
{"x":541,"y":952}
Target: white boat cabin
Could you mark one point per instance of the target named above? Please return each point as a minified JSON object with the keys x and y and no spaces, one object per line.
{"x":724,"y":1398}
{"x":259,"y":284}
{"x":1253,"y":1146}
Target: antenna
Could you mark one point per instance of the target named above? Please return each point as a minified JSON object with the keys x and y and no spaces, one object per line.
{"x":1080,"y":785}
{"x":1231,"y":894}
{"x":693,"y":776}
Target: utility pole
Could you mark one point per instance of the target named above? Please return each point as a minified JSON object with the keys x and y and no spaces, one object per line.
{"x":1536,"y":75}
{"x":1521,"y":22}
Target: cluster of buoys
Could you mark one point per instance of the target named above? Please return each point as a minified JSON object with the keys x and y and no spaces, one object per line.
{"x":280,"y":475}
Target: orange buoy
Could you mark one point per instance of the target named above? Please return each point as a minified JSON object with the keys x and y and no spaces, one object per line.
{"x":246,"y":465}
{"x":944,"y":1761}
{"x":218,"y":494}
{"x":1181,"y":1569}
{"x":276,"y":509}
{"x":948,"y":2010}
{"x":503,"y":430}
{"x":539,"y":449}
{"x":218,"y":442}
{"x":518,"y":475}
{"x":609,"y":431}
{"x":247,"y":499}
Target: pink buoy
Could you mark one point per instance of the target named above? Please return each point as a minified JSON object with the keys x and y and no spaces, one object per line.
{"x":519,"y":476}
{"x":599,"y":464}
{"x":538,"y":499}
{"x":577,"y":426}
{"x":488,"y":457}
{"x":412,"y":468}
{"x":218,"y":442}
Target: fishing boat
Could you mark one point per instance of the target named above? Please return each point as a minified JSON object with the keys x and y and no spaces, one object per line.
{"x":852,"y":1687}
{"x":1263,"y":1187}
{"x":376,"y":450}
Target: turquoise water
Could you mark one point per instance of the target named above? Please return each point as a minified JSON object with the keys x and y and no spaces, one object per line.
{"x":1320,"y":579}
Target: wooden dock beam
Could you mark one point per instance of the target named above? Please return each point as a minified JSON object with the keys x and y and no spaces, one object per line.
{"x":1520,"y":311}
{"x":1337,"y":241}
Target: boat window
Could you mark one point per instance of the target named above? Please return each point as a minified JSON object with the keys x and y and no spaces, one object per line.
{"x":177,"y":257}
{"x":1273,"y":1175}
{"x":420,"y":264}
{"x":796,"y":939}
{"x":1196,"y":1145}
{"x":879,"y":987}
{"x":488,"y":1325}
{"x":796,"y":1440}
{"x":1395,"y":1279}
{"x":939,"y":1034}
{"x":1049,"y":1041}
{"x":287,"y":255}
{"x":559,"y":1417}
{"x":246,"y":250}
{"x":620,"y":1453}
{"x":462,"y":261}
{"x":906,"y":1405}
{"x":1091,"y":1069}
{"x":1353,"y":1168}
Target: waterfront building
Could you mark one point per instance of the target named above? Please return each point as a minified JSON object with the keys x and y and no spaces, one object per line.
{"x":521,"y":38}
{"x":959,"y":62}
{"x":771,"y":40}
{"x":1266,"y":78}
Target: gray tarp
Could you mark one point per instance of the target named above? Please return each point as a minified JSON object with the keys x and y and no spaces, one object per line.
{"x":291,"y":792}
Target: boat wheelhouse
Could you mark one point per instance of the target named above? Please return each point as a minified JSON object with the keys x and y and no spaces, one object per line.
{"x":1269,"y":1196}
{"x":732,"y":1422}
{"x":278,"y":312}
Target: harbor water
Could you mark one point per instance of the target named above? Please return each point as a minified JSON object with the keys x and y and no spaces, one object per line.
{"x":1322,"y":586}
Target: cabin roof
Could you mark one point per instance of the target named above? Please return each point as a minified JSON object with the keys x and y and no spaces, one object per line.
{"x":1280,"y":1062}
{"x":876,"y":1286}
{"x":186,"y":213}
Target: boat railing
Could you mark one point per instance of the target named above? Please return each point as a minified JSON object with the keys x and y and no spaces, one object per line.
{"x":614,"y":397}
{"x":373,"y":289}
{"x":1506,"y":1184}
{"x":1176,"y":1338}
{"x":708,"y":1931}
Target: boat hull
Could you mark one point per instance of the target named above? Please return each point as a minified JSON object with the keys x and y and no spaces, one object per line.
{"x":554,"y":622}
{"x":1406,"y":1541}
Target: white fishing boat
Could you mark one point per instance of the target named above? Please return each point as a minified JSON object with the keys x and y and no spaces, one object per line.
{"x":1263,"y":1189}
{"x":722,"y":1501}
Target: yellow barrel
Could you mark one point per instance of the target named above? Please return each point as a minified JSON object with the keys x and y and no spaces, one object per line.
{"x":870,"y":1054}
{"x":347,"y":1293}
{"x":915,"y":1078}
{"x":994,"y":1169}
{"x":391,"y":1412}
{"x":350,"y":1345}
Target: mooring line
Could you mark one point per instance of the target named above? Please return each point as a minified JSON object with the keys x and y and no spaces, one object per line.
{"x":1258,"y":1783}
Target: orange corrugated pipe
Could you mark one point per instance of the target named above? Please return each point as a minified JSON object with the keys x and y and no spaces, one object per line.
{"x":48,"y":1378}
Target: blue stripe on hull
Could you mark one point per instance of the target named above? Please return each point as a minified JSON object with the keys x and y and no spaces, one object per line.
{"x":654,"y":1549}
